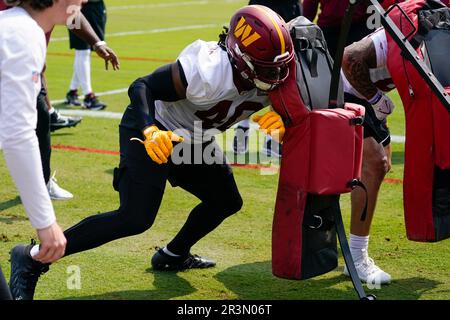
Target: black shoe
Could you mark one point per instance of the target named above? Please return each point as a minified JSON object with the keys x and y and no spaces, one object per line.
{"x":57,"y":121}
{"x":92,"y":103}
{"x":164,"y":262}
{"x":240,"y":140}
{"x":25,"y":273}
{"x":72,"y":98}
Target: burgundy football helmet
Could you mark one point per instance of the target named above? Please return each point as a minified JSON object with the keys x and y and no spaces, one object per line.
{"x":260,"y":46}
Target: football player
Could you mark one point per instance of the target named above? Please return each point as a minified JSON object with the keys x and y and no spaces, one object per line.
{"x":288,"y":10}
{"x":22,"y":56}
{"x":94,"y":12}
{"x":366,"y":80}
{"x":210,"y":86}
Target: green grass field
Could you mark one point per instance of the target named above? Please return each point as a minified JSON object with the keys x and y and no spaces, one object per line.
{"x":242,"y":244}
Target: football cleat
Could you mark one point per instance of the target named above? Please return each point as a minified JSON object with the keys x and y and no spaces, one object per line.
{"x":55,"y":191}
{"x":72,"y":98}
{"x":25,"y":273}
{"x":57,"y":121}
{"x":92,"y":103}
{"x":163,"y":262}
{"x":368,"y":272}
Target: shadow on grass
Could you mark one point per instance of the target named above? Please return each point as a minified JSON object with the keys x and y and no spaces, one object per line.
{"x":168,"y":285}
{"x":255,"y":281}
{"x":110,"y":171}
{"x":10,"y":203}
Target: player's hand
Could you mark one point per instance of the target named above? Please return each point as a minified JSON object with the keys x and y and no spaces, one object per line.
{"x":272,"y":124}
{"x":158,"y":143}
{"x":107,"y":54}
{"x":383,"y":106}
{"x":52,"y":244}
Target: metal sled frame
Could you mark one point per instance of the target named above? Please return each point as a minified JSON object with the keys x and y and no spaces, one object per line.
{"x":400,"y":39}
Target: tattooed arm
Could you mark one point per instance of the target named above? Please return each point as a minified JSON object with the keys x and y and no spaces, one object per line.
{"x":358,"y":59}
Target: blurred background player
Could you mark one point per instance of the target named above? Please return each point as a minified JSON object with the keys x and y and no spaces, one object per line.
{"x":330,"y":18}
{"x":57,"y":121}
{"x":288,"y":10}
{"x":49,"y":118}
{"x":95,"y":13}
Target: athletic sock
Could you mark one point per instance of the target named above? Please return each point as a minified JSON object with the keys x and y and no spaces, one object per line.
{"x":82,"y":71}
{"x":358,"y":245}
{"x":34,"y":251}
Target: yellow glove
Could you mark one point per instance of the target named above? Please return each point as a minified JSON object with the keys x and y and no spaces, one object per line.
{"x":158,"y":143}
{"x":272,"y":124}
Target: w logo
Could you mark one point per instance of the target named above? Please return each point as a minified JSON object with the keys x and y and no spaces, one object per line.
{"x":243,"y":31}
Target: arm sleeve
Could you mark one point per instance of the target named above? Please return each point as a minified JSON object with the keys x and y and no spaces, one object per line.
{"x":146,"y":90}
{"x":19,"y":83}
{"x":310,"y":8}
{"x":24,"y":164}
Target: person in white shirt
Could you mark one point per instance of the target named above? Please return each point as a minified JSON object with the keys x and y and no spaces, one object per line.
{"x":366,"y":80}
{"x":22,"y":58}
{"x":209,"y":88}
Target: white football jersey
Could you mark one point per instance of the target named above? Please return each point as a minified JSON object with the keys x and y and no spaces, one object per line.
{"x":380,"y":75}
{"x":22,"y":58}
{"x":212,"y":99}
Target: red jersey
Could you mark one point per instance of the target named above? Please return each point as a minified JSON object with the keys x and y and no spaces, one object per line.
{"x":333,"y":11}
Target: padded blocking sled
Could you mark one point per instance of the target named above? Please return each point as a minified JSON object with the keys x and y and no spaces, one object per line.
{"x":322,"y":152}
{"x":321,"y":158}
{"x":426,"y":185}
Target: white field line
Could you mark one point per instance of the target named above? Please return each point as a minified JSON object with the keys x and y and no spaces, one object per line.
{"x":118,"y":115}
{"x":164,"y":5}
{"x":139,"y":32}
{"x":106,"y":93}
{"x":157,"y":5}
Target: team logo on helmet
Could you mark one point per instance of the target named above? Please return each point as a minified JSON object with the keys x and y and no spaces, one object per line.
{"x":260,"y":46}
{"x":242,"y":32}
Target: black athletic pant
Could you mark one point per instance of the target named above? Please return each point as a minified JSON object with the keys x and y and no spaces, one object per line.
{"x":43,"y":133}
{"x":95,"y":14}
{"x":5,"y":294}
{"x":141,"y":183}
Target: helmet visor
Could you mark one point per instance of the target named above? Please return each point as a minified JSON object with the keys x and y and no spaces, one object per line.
{"x":271,"y":74}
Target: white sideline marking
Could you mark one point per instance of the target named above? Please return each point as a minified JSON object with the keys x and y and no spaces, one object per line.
{"x":91,"y":114}
{"x":398,"y":139}
{"x":138,"y":32}
{"x":106,"y":93}
{"x":157,"y":5}
{"x":163,"y":5}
